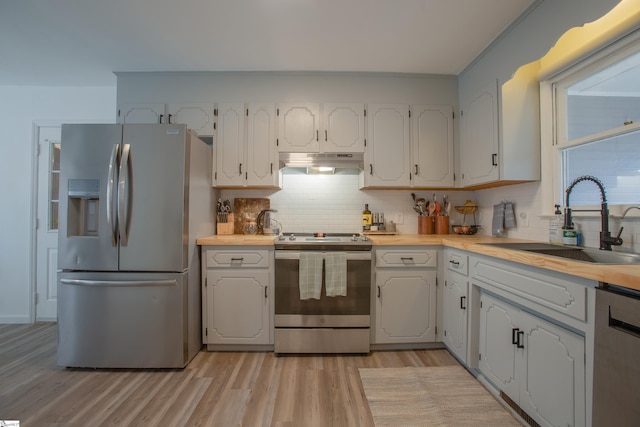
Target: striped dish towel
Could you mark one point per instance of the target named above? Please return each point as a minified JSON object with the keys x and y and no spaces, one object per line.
{"x":310,"y":275}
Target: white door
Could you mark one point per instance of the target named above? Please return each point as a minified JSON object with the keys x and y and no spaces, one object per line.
{"x":386,"y":156}
{"x":343,"y":128}
{"x":432,"y":145}
{"x":298,"y":128}
{"x":47,"y":223}
{"x":231,"y":166}
{"x":262,"y":167}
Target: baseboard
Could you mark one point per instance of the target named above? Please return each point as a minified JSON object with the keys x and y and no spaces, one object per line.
{"x":15,"y":319}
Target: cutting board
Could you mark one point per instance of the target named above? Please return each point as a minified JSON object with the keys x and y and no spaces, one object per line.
{"x":242,"y":206}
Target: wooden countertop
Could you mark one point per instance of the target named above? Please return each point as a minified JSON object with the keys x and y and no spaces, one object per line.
{"x":236,"y":240}
{"x":620,"y":274}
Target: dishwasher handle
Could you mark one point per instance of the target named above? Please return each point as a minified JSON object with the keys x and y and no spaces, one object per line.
{"x":623,"y":326}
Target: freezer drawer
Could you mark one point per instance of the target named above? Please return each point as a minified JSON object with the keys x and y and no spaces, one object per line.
{"x":122,"y":320}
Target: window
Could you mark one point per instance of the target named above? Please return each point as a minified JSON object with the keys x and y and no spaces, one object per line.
{"x":54,"y":184}
{"x":597,"y":132}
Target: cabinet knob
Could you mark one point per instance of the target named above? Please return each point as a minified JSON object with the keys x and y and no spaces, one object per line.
{"x":463,"y":302}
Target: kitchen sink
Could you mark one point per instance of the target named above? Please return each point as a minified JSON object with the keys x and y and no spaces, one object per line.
{"x":594,"y":256}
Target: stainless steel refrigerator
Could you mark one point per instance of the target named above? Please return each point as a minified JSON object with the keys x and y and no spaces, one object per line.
{"x":133,"y":200}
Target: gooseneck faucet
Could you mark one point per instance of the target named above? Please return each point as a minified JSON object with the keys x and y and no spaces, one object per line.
{"x":605,"y":236}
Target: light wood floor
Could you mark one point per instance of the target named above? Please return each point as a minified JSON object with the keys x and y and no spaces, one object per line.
{"x":216,"y":388}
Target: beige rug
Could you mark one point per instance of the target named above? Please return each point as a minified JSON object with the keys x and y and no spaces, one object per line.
{"x":434,"y":396}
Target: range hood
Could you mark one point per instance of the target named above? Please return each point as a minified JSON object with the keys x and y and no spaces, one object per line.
{"x":352,"y":163}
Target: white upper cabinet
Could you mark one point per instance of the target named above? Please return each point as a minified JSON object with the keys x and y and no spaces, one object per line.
{"x":500,"y":132}
{"x":387,"y":154}
{"x":230,"y":145}
{"x":197,"y":117}
{"x":261,"y":153}
{"x":432,"y":162}
{"x":479,"y":138}
{"x":343,"y":128}
{"x":298,"y":128}
{"x":141,"y":113}
{"x":245,"y":146}
{"x":315,"y":128}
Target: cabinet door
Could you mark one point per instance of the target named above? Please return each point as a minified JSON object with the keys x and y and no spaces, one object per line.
{"x":454,"y":314}
{"x":343,"y":128}
{"x":230,"y":164}
{"x":238,"y":306}
{"x":141,"y":113}
{"x":298,"y":128}
{"x":262,"y":169}
{"x":498,"y":354}
{"x":405,"y":306}
{"x":197,"y":117}
{"x":387,"y":153}
{"x":432,"y":145}
{"x":479,"y":138}
{"x":553,"y":378}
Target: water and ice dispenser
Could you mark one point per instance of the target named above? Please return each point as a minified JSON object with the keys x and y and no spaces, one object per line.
{"x":83,"y":207}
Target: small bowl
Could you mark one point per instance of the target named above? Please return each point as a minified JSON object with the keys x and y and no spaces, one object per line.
{"x":465,"y":229}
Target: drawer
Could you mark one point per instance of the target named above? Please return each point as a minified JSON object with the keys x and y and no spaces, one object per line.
{"x":237,"y":258}
{"x":457,"y":261}
{"x":556,"y":291}
{"x":406,"y":258}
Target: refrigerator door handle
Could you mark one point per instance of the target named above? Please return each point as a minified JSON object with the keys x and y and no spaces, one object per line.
{"x":123,"y":195}
{"x":111,"y":205}
{"x":112,"y":283}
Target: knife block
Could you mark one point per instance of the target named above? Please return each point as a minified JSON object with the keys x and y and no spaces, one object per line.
{"x":225,"y":227}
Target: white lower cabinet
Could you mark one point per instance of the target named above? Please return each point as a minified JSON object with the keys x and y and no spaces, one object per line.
{"x":237,"y":297}
{"x":539,"y":365}
{"x":405,"y":299}
{"x":454,"y":314}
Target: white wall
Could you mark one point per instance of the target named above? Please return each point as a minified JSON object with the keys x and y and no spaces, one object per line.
{"x":20,"y":108}
{"x":528,"y":41}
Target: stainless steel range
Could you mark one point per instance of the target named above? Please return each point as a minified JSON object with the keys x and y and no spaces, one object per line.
{"x":335,"y":316}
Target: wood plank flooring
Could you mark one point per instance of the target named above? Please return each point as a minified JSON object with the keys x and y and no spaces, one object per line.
{"x":216,"y":388}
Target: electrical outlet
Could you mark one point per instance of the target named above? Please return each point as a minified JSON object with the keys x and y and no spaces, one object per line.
{"x":523,"y":219}
{"x":399,"y":218}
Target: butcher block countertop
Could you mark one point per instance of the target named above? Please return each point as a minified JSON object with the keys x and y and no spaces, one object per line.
{"x":236,"y":240}
{"x":619,"y":274}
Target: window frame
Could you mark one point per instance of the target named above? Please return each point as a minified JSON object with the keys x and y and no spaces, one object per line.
{"x":553,"y":120}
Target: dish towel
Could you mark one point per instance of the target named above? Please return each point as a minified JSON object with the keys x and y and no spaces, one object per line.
{"x":497,"y":225}
{"x":335,"y":264}
{"x":310,"y":275}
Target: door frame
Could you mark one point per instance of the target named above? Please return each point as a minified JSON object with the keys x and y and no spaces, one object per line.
{"x":33,"y":210}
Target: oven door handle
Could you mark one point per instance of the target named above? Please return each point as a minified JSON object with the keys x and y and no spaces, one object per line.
{"x":351,"y":256}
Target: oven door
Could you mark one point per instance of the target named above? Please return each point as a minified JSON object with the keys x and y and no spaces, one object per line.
{"x":351,"y":310}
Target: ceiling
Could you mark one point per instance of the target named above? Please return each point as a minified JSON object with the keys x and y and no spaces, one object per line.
{"x":82,"y":42}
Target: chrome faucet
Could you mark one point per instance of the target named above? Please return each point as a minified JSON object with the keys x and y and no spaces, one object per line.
{"x":605,"y":236}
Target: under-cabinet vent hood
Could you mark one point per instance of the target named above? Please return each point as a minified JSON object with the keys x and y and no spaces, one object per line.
{"x":344,"y":163}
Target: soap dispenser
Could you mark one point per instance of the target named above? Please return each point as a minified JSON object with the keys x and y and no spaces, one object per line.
{"x":555,"y":227}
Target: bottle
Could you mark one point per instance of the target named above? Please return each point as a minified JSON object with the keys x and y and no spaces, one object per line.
{"x":569,"y":236}
{"x":366,"y":218}
{"x":555,"y":227}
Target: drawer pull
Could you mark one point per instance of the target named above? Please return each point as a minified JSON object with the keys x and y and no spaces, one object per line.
{"x":403,"y":259}
{"x":452,"y":262}
{"x":520,"y":335}
{"x":237,"y":259}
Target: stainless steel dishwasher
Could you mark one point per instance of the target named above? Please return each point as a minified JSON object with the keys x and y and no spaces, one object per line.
{"x":616,"y":379}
